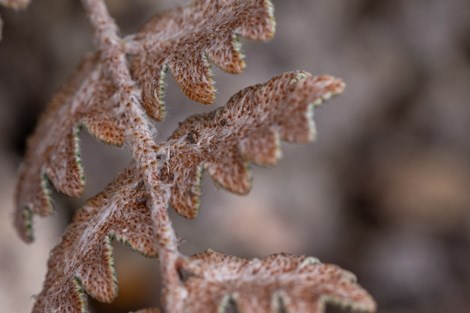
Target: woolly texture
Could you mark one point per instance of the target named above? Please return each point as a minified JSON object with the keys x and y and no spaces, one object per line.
{"x":186,"y":39}
{"x":281,"y":283}
{"x":248,"y":129}
{"x":113,"y":94}
{"x":83,"y":261}
{"x":101,"y":97}
{"x":53,"y":150}
{"x":245,"y":127}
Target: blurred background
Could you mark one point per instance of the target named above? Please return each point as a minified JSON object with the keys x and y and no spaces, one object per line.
{"x":383,"y":192}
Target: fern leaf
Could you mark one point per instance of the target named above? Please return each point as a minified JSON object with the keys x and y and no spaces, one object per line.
{"x":248,"y":129}
{"x":108,"y":96}
{"x":187,"y":39}
{"x":83,"y":261}
{"x":53,"y":151}
{"x":245,"y":130}
{"x":91,"y":99}
{"x":279,"y":283}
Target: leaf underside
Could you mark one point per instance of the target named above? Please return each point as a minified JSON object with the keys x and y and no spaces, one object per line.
{"x":90,"y":99}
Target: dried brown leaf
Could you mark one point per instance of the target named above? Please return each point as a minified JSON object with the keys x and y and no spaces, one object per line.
{"x":225,"y":139}
{"x":53,"y":150}
{"x":83,"y":261}
{"x":90,"y":98}
{"x":103,"y":97}
{"x":280,"y":283}
{"x":248,"y":129}
{"x":187,"y":39}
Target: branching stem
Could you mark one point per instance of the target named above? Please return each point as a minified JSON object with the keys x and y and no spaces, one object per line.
{"x":146,"y":153}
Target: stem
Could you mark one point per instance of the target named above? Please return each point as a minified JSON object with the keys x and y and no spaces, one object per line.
{"x":147,"y":154}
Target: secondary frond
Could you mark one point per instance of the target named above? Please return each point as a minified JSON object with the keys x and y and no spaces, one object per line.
{"x":186,"y":40}
{"x":247,"y":130}
{"x":53,"y":155}
{"x":83,"y":261}
{"x":280,"y":283}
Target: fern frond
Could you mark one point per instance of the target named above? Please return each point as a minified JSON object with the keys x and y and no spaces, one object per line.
{"x":225,"y":139}
{"x":83,"y":261}
{"x":186,"y":40}
{"x":279,"y":283}
{"x":53,"y":151}
{"x":248,"y":129}
{"x":94,"y":97}
{"x":114,"y":93}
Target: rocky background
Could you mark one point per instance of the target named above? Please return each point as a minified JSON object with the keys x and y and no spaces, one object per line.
{"x":384,"y":192}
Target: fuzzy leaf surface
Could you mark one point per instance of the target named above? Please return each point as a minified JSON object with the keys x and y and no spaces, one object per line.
{"x":53,"y":154}
{"x":186,"y":40}
{"x":83,"y":260}
{"x":247,"y":130}
{"x":180,"y":40}
{"x":279,"y":283}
